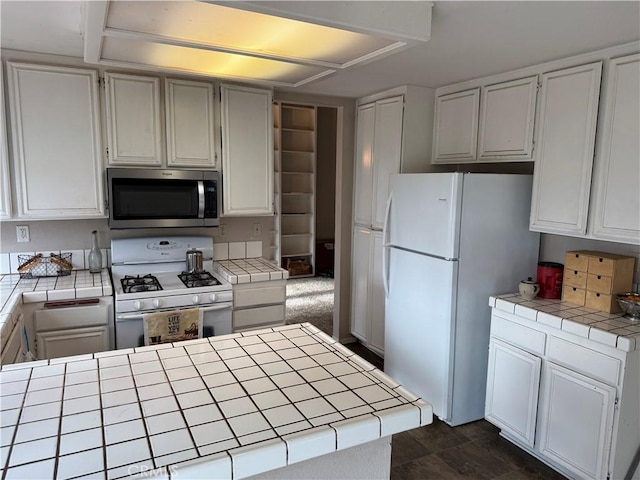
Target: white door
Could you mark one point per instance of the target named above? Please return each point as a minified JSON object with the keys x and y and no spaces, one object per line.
{"x":576,"y":421}
{"x":376,"y":294}
{"x":360,"y":283}
{"x":57,"y":156}
{"x":513,"y":377}
{"x":133,"y":120}
{"x":418,"y":318}
{"x":507,"y":112}
{"x":424,"y":213}
{"x":190,"y":126}
{"x":387,"y":149}
{"x":617,"y":169}
{"x":247,"y":151}
{"x":456,"y":127}
{"x":73,"y":341}
{"x":363,"y":197}
{"x":566,"y":130}
{"x":5,"y":184}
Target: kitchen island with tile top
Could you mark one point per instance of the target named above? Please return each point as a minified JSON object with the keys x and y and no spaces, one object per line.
{"x":283,"y":402}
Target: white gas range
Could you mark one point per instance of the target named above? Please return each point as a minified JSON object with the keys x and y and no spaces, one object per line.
{"x":149,"y":276}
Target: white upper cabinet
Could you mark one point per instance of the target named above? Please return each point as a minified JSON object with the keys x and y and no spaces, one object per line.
{"x":378,"y":155}
{"x":133,"y":120}
{"x":507,"y":113}
{"x":365,"y":131}
{"x":566,"y":128}
{"x":56,"y":141}
{"x":247,"y":151}
{"x":455,"y":135}
{"x":5,"y":184}
{"x":616,"y":196}
{"x":387,"y":148}
{"x":190,"y":124}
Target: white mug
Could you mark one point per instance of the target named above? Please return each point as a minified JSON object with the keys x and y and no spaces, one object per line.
{"x":529,"y":289}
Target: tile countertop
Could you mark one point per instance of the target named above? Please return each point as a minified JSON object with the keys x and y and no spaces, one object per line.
{"x":608,"y":328}
{"x":249,"y":270}
{"x":78,"y":284}
{"x":229,"y":406}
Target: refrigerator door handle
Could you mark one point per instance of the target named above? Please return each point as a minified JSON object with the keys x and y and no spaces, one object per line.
{"x":385,"y":281}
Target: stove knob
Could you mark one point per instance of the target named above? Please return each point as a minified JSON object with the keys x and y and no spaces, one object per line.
{"x":213,"y":297}
{"x":195,"y":299}
{"x":157,"y":303}
{"x":137,"y":305}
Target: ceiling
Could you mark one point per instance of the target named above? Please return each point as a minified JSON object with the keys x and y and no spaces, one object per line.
{"x":468,"y":39}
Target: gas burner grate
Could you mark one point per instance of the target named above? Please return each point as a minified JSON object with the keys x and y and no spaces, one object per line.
{"x":146,"y":283}
{"x":202,"y":279}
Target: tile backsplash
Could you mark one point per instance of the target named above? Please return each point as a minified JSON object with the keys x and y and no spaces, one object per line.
{"x":79,"y":258}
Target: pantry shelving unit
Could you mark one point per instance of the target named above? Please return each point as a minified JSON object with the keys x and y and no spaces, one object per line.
{"x":274,"y":233}
{"x":295,"y":170}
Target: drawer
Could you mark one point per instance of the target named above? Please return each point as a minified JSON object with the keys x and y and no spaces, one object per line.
{"x":599,"y":283}
{"x":71,"y":317}
{"x":574,"y":278}
{"x":573,"y":295}
{"x":584,"y":360}
{"x":602,"y":266}
{"x":258,"y":317}
{"x":576,"y":261}
{"x":605,"y":302}
{"x":518,"y":335}
{"x":258,"y":296}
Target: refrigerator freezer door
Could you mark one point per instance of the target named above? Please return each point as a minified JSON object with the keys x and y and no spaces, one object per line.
{"x":424,"y":213}
{"x":418,"y":322}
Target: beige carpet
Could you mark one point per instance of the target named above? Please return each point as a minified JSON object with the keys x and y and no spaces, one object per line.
{"x":311,"y":300}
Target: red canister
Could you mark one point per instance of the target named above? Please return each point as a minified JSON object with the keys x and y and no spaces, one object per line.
{"x":550,"y":279}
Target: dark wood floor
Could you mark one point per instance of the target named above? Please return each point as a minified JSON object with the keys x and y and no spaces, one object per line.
{"x":474,"y":451}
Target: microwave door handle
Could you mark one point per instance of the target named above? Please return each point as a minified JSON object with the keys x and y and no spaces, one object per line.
{"x":200,"y":199}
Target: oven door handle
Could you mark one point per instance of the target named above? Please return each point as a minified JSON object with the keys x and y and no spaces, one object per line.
{"x":132,"y":316}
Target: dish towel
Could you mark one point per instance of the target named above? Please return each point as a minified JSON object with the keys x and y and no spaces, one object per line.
{"x":172,"y":326}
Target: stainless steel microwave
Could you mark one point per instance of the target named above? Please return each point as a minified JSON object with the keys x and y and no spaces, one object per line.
{"x":145,"y":198}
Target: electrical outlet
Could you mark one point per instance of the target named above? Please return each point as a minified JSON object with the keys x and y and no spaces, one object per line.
{"x":222,"y":230}
{"x":22,"y":232}
{"x":257,"y":229}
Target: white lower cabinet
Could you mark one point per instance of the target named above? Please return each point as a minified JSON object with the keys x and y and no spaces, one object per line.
{"x":576,"y":419}
{"x":72,"y":341}
{"x":259,"y":304}
{"x":569,"y":401}
{"x":367,"y":303}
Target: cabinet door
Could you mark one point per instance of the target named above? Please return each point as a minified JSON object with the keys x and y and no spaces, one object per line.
{"x":376,"y":294}
{"x":507,"y":113}
{"x":56,"y":141}
{"x":360,"y":283}
{"x":190,"y":129}
{"x":5,"y":184}
{"x":616,"y":197}
{"x":74,"y":341}
{"x":456,"y":127}
{"x":566,"y":129}
{"x":247,"y":151}
{"x":576,"y":421}
{"x":133,"y":120}
{"x":363,"y":199}
{"x":387,"y":148}
{"x":513,"y":376}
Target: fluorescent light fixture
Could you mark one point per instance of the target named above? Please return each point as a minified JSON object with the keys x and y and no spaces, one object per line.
{"x":206,"y":38}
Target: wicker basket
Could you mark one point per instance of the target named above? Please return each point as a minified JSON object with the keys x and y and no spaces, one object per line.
{"x":51,"y":266}
{"x":298,"y":267}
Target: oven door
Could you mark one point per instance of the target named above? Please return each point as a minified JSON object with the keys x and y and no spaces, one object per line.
{"x":216,"y":320}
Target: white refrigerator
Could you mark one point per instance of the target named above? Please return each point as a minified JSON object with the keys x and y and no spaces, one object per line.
{"x":450,"y":241}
